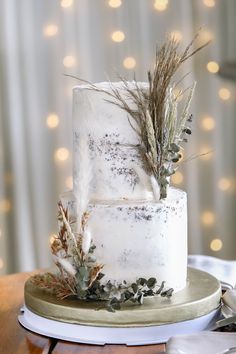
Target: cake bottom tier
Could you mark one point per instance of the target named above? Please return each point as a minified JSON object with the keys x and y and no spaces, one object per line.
{"x":136,"y":239}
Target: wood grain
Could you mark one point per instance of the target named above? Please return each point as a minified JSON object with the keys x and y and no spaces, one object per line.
{"x":14,"y":339}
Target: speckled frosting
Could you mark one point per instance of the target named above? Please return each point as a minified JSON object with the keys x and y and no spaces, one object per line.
{"x":135,"y":236}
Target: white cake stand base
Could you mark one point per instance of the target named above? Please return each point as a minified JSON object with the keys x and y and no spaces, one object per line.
{"x":111,"y":335}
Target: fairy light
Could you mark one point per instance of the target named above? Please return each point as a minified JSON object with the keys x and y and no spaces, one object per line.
{"x":66,"y":3}
{"x":61,"y":154}
{"x":118,"y":36}
{"x":114,"y":3}
{"x":224,"y":184}
{"x":69,"y":61}
{"x":216,"y":245}
{"x":5,"y":206}
{"x":50,"y":30}
{"x":209,"y":3}
{"x":176,"y":35}
{"x":69,"y":182}
{"x":208,"y":218}
{"x":213,"y":67}
{"x":224,"y":94}
{"x":129,"y":63}
{"x":205,"y":153}
{"x":1,"y":263}
{"x":160,"y":5}
{"x":52,"y":120}
{"x":177,"y":178}
{"x":208,"y":123}
{"x":205,"y":36}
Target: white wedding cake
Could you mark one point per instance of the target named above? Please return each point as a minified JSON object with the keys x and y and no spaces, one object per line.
{"x":135,"y":234}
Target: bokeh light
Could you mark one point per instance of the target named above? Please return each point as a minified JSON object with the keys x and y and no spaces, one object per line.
{"x":213,"y":67}
{"x":114,"y":3}
{"x":208,"y":218}
{"x":129,"y":63}
{"x":209,"y":3}
{"x":216,"y":244}
{"x":1,"y":263}
{"x":66,"y":3}
{"x":5,"y":205}
{"x":69,"y":182}
{"x":177,"y":178}
{"x":160,"y":5}
{"x":224,"y":94}
{"x":52,"y":120}
{"x":224,"y":184}
{"x":176,"y":35}
{"x":50,"y":30}
{"x":208,"y":123}
{"x":61,"y":154}
{"x":118,"y":36}
{"x":69,"y":61}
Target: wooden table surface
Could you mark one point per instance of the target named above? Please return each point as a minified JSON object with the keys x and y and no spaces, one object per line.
{"x":14,"y":339}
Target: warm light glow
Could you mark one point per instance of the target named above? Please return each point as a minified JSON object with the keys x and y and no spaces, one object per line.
{"x":208,"y":218}
{"x":66,"y":3}
{"x":224,"y":93}
{"x":209,"y":3}
{"x":1,"y":263}
{"x":0,"y":233}
{"x":160,"y":5}
{"x":69,"y":182}
{"x":177,"y":178}
{"x":205,"y":36}
{"x":213,"y":67}
{"x":61,"y":154}
{"x":205,"y":153}
{"x":5,"y":206}
{"x":52,"y":238}
{"x":208,"y":123}
{"x":129,"y":63}
{"x":50,"y":30}
{"x":224,"y":184}
{"x":115,"y":3}
{"x":69,"y":61}
{"x":52,"y":121}
{"x":118,"y":36}
{"x":176,"y":35}
{"x":216,"y":244}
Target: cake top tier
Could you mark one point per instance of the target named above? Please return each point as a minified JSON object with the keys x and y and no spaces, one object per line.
{"x":113,"y":143}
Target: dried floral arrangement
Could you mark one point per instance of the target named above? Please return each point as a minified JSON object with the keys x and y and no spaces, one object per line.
{"x":160,"y":126}
{"x":80,"y":275}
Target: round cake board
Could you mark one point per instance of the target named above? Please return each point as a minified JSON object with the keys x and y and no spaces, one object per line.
{"x":194,"y":309}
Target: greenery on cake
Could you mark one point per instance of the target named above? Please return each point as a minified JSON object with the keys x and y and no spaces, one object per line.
{"x":80,"y":275}
{"x":156,"y":117}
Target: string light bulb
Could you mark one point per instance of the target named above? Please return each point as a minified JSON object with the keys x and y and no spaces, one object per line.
{"x":216,"y":245}
{"x":61,"y":154}
{"x":213,"y":67}
{"x":66,"y":3}
{"x":114,"y":3}
{"x":224,"y":94}
{"x":129,"y":63}
{"x":208,"y":218}
{"x":50,"y":30}
{"x":118,"y":36}
{"x":224,"y":184}
{"x":208,"y":123}
{"x":52,"y":120}
{"x":160,"y":5}
{"x":176,"y":35}
{"x":69,"y":61}
{"x":209,"y":3}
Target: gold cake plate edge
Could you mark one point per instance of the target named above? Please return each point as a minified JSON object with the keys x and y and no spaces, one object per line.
{"x":200,"y":297}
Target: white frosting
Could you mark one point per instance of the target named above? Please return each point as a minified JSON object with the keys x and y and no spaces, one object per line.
{"x":134,"y":235}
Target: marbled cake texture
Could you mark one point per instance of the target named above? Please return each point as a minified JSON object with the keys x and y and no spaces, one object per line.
{"x":135,"y":235}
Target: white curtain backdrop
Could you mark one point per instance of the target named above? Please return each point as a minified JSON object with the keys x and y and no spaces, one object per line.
{"x":40,"y":41}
